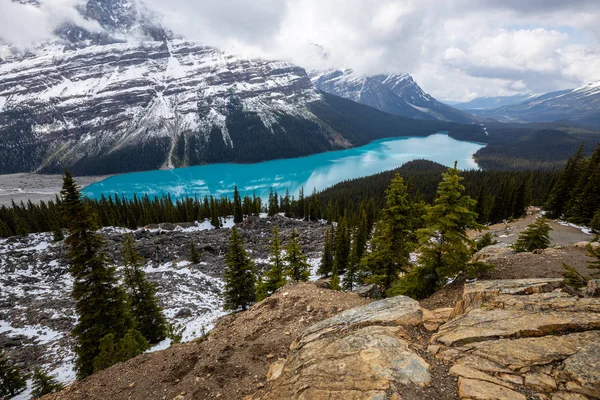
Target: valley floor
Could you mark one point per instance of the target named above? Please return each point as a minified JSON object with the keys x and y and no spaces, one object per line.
{"x":35,"y":187}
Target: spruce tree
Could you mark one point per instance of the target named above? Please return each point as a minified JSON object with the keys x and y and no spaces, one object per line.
{"x":297,"y":268}
{"x":239,"y":275}
{"x":114,"y":350}
{"x":445,"y":249}
{"x":342,"y":247}
{"x":394,"y":238}
{"x":12,"y":382}
{"x":101,"y":304}
{"x":326,"y":266}
{"x":522,"y":198}
{"x":534,"y":237}
{"x":351,"y":275}
{"x":594,"y":254}
{"x":194,"y":254}
{"x":43,"y":384}
{"x":238,"y":214}
{"x":562,"y":190}
{"x":595,"y":222}
{"x":261,"y":289}
{"x":587,"y":195}
{"x":146,"y":311}
{"x":274,"y":276}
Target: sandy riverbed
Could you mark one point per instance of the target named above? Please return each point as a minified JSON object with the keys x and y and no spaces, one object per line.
{"x":35,"y":187}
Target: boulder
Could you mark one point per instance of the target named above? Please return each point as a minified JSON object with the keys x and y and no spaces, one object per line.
{"x":474,"y":389}
{"x":369,"y":291}
{"x":584,"y":369}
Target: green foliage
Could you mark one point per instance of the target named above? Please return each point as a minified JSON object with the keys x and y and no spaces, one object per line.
{"x":297,"y":268}
{"x":101,"y":304}
{"x":261,"y":289}
{"x":326,"y":266}
{"x":12,"y":382}
{"x":445,"y":249}
{"x":194,"y":254}
{"x":534,"y":237}
{"x":342,"y":247}
{"x":594,"y":254}
{"x":146,"y":311}
{"x":238,"y":214}
{"x":239,"y":275}
{"x":485,"y":240}
{"x":175,"y":333}
{"x":595,"y":223}
{"x":394,"y":238}
{"x":113,"y":351}
{"x":334,"y":282}
{"x":573,"y":278}
{"x":275,"y":274}
{"x":43,"y":384}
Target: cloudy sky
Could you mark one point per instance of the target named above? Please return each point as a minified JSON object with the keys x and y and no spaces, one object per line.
{"x":455,"y":49}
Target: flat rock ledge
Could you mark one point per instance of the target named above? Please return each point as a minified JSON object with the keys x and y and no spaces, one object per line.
{"x":506,"y":339}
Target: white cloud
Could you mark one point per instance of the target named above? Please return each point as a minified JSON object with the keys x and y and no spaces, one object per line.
{"x":457,"y":49}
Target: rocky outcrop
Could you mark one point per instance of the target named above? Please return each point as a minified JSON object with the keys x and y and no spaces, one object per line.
{"x":506,"y":339}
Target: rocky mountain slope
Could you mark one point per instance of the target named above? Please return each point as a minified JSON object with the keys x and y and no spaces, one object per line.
{"x":580,"y":105}
{"x":394,"y":93}
{"x":128,"y":96}
{"x":37,"y":311}
{"x":491,"y":103}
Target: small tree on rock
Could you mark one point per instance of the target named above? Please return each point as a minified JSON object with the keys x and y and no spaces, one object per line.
{"x":43,"y":384}
{"x":12,"y":382}
{"x":275,"y":274}
{"x":148,"y":314}
{"x":297,"y":267}
{"x":534,"y":237}
{"x":194,"y":254}
{"x":239,"y":275}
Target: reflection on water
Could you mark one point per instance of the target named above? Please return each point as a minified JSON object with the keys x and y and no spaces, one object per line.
{"x":317,"y":171}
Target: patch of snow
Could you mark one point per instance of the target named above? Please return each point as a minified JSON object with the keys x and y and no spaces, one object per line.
{"x":583,"y":229}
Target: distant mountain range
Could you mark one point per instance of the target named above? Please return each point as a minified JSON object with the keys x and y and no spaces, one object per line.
{"x":490,"y":103}
{"x":397,"y":94}
{"x":580,"y":105}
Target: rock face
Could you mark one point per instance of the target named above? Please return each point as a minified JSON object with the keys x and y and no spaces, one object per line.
{"x":394,"y":93}
{"x":523,"y":337}
{"x":507,"y":339}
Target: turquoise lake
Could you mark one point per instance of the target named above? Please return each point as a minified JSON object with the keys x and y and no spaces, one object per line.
{"x":317,"y":171}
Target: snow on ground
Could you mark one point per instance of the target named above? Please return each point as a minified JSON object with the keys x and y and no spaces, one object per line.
{"x":583,"y":229}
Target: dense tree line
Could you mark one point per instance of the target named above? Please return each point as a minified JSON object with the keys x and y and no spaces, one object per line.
{"x":500,"y":195}
{"x":576,"y":194}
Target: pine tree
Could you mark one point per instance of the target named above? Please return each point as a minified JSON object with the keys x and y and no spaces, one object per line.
{"x":274,"y":276}
{"x":43,"y":384}
{"x":594,"y":254}
{"x":562,"y":190}
{"x":12,"y":382}
{"x":535,"y":236}
{"x":326,"y":266}
{"x":394,"y":238}
{"x":238,"y":214}
{"x":595,"y":222}
{"x":114,"y":350}
{"x":445,"y":249}
{"x":239,"y":275}
{"x":342,"y":247}
{"x":194,"y":254}
{"x":261,"y":289}
{"x":334,"y":282}
{"x":132,"y":344}
{"x":101,"y":304}
{"x":587,"y":194}
{"x":351,"y":275}
{"x":147,"y":313}
{"x":297,"y":267}
{"x":523,"y":198}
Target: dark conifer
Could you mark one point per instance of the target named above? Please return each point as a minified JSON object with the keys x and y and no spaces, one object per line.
{"x":101,"y":304}
{"x":394,"y":238}
{"x":535,"y":237}
{"x":275,"y":274}
{"x":12,"y":382}
{"x":342,"y":247}
{"x":146,"y":311}
{"x":562,"y":191}
{"x":297,"y":268}
{"x":445,"y":249}
{"x":194,"y":254}
{"x":326,"y":266}
{"x":238,"y":214}
{"x":43,"y":384}
{"x":240,"y":280}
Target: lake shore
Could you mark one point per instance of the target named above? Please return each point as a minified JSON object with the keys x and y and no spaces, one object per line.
{"x":22,"y":187}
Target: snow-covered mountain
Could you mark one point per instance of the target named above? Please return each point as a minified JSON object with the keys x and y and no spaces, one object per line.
{"x":491,"y":103}
{"x":393,"y":93}
{"x":114,"y":92}
{"x":581,"y":105}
